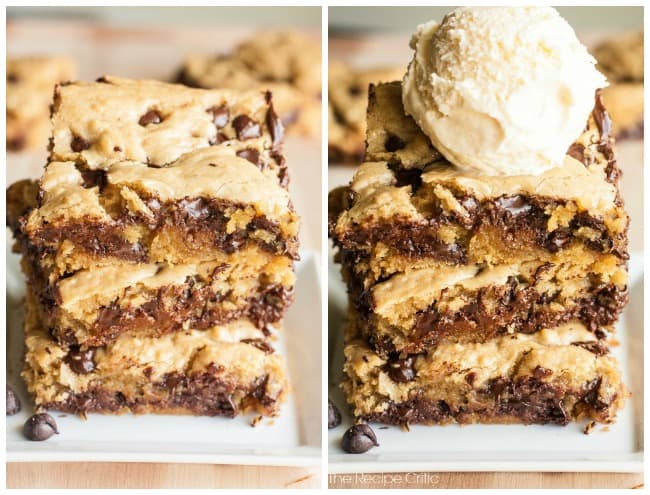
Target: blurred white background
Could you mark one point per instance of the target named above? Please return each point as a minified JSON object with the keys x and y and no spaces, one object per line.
{"x":346,"y":20}
{"x":271,"y":17}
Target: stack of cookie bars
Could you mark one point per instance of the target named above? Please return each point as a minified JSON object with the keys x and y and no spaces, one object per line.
{"x":475,"y":298}
{"x":159,"y":248}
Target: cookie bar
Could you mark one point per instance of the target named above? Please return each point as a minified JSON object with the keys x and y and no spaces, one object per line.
{"x":620,"y":58}
{"x":432,"y":254}
{"x":91,"y":306}
{"x":556,"y":375}
{"x":113,"y":256}
{"x":30,"y":87}
{"x":420,"y":307}
{"x":221,"y":371}
{"x":157,"y":123}
{"x":406,"y":186}
{"x":205,"y":204}
{"x":285,"y":63}
{"x":348,"y":100}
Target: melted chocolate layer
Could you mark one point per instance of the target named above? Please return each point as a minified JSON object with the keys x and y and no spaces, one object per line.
{"x":527,"y":400}
{"x":199,"y":217}
{"x":519,"y":218}
{"x":201,"y":394}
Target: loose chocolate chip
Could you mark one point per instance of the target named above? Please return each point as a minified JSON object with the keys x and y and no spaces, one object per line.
{"x":394,"y":143}
{"x":40,"y":427}
{"x":79,"y":144}
{"x":401,"y":370}
{"x":220,"y":116}
{"x":249,"y":154}
{"x":13,"y":402}
{"x":246,"y":127}
{"x":81,"y":362}
{"x":151,"y":117}
{"x":359,"y":439}
{"x":275,"y":126}
{"x":333,"y":415}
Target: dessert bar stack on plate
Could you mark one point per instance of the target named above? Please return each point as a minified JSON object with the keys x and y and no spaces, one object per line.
{"x":477,"y":298}
{"x":159,"y":247}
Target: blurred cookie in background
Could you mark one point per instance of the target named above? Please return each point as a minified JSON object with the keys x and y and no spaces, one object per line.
{"x":30,"y":89}
{"x":286,"y":63}
{"x":620,"y":58}
{"x":348,"y":101}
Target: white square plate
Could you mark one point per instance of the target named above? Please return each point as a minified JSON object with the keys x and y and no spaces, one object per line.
{"x":615,"y":448}
{"x":292,"y":439}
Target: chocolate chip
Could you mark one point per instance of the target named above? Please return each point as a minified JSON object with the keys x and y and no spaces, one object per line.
{"x":514,"y":205}
{"x":13,"y":402}
{"x":394,"y":143}
{"x":220,"y":116}
{"x":151,"y":117}
{"x":333,"y":415}
{"x":250,"y":154}
{"x":261,"y":344}
{"x":401,"y":370}
{"x":12,"y":78}
{"x":577,"y":151}
{"x":93,"y":178}
{"x":359,"y":439}
{"x":17,"y":143}
{"x":275,"y":126}
{"x":557,"y":239}
{"x":218,"y":139}
{"x":355,"y":90}
{"x":40,"y":427}
{"x":246,"y":127}
{"x":79,"y":144}
{"x":81,"y":362}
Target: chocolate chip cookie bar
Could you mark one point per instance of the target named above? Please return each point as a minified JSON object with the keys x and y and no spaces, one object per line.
{"x":555,"y":376}
{"x":432,"y":254}
{"x":30,"y":87}
{"x":285,"y":63}
{"x":159,"y":248}
{"x":447,"y":271}
{"x":219,"y":371}
{"x":129,"y":246}
{"x":348,"y":100}
{"x":620,"y":58}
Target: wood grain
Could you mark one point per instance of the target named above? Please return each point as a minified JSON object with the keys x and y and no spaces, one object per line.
{"x":141,"y":475}
{"x":486,"y":480}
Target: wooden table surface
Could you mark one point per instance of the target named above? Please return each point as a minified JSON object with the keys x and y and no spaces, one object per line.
{"x":157,"y":54}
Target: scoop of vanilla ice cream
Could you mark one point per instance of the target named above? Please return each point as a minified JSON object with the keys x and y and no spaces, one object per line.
{"x":501,"y":90}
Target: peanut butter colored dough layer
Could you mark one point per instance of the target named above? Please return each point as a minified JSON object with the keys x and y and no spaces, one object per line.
{"x":93,"y":306}
{"x":557,"y":375}
{"x":222,"y":371}
{"x":115,"y":119}
{"x":420,"y":307}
